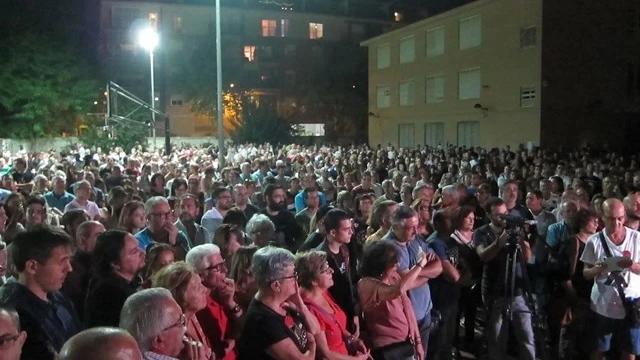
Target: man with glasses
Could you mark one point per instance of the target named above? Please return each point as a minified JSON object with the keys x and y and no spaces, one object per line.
{"x":11,"y":338}
{"x":157,"y":323}
{"x":212,"y":219}
{"x":220,"y":319}
{"x":161,"y":229}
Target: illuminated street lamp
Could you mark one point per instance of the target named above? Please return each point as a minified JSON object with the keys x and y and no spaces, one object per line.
{"x":148,"y":39}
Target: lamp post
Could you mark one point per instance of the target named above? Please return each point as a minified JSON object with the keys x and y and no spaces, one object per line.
{"x":221,"y":158}
{"x":148,"y":39}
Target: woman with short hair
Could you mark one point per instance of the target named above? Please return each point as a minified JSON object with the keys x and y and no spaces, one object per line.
{"x":315,"y":277}
{"x":278,"y":324}
{"x":184,"y":283}
{"x":260,"y":230}
{"x":391,"y":323}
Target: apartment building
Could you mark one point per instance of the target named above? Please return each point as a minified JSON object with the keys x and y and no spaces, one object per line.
{"x":500,"y":72}
{"x":276,"y":42}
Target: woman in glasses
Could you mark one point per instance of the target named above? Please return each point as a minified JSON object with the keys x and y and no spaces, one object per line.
{"x":278,"y":324}
{"x":315,"y":278}
{"x":187,"y":289}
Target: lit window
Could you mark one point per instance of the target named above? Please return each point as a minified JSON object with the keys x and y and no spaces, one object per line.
{"x":177,"y":23}
{"x":528,"y":37}
{"x":284,"y":27}
{"x":527,"y":96}
{"x":470,"y":32}
{"x":268,"y":28}
{"x":384,"y":56}
{"x":315,"y":31}
{"x":250,"y":52}
{"x":153,"y":20}
{"x":397,"y":16}
{"x":407,"y":50}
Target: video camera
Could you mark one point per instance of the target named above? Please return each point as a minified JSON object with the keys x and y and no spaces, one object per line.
{"x":516,"y":224}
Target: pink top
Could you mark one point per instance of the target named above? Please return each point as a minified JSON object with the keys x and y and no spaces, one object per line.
{"x":387,"y":322}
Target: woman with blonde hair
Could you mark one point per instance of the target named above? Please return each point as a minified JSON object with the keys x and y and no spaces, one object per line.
{"x":184,"y":283}
{"x":158,"y":256}
{"x":423,"y":208}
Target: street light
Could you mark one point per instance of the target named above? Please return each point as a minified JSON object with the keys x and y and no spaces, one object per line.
{"x":148,"y":39}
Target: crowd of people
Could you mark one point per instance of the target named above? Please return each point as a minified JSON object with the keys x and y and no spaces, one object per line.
{"x":303,"y":252}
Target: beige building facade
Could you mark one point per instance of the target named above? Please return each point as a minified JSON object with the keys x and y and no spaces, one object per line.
{"x":470,"y":76}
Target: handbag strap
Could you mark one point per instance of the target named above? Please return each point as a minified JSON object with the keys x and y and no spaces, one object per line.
{"x":615,"y":277}
{"x":328,"y":316}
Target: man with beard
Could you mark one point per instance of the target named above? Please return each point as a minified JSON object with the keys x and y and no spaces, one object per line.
{"x":189,"y":211}
{"x":632,"y":208}
{"x":213,"y":217}
{"x":287,"y":229}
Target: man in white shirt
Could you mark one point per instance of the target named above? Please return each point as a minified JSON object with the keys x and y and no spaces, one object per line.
{"x":83,"y":192}
{"x":609,"y":320}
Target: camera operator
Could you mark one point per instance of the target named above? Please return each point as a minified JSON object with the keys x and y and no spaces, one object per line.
{"x":492,"y":245}
{"x":608,"y":311}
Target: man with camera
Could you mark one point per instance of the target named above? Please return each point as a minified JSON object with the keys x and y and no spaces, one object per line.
{"x":494,"y":243}
{"x":614,"y":281}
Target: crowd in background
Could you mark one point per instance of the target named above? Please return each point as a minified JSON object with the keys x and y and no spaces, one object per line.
{"x":291,"y":252}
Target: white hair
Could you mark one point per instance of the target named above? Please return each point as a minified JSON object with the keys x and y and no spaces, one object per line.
{"x":269,"y":263}
{"x":450,"y":190}
{"x":153,"y":201}
{"x":257,"y":223}
{"x":143,"y":315}
{"x":197,"y":255}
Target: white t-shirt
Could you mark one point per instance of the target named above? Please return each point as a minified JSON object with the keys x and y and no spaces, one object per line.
{"x":604,"y":298}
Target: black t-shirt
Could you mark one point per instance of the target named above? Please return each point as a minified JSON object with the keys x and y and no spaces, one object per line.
{"x":287,"y":229}
{"x":22,"y":178}
{"x":264,"y":327}
{"x":493,"y":276}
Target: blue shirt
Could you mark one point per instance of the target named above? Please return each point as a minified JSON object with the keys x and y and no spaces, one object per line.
{"x":557,"y":234}
{"x":4,"y":194}
{"x":144,"y":239}
{"x":299,"y":200}
{"x":58,"y":202}
{"x":407,"y":255}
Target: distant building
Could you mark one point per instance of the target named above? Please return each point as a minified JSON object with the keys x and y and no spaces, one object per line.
{"x":502,"y":72}
{"x":276,"y":42}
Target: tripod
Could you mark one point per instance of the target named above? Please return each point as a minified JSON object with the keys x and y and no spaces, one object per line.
{"x":514,"y":258}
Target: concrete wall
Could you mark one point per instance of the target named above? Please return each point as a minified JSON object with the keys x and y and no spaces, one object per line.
{"x":504,"y":67}
{"x":58,"y":144}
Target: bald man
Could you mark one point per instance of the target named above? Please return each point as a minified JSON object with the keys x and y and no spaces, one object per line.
{"x":632,"y":207}
{"x":609,"y":314}
{"x":11,"y":338}
{"x":101,"y":343}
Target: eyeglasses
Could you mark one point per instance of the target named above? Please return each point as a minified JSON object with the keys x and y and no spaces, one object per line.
{"x":294,"y":276}
{"x":182,"y":322}
{"x":217,"y":267}
{"x":8,"y":341}
{"x":167,"y":214}
{"x":326,"y":269}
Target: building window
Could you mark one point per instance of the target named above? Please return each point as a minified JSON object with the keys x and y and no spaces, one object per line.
{"x":384,"y":56}
{"x":469,"y":134}
{"x":176,"y":102}
{"x":470,"y":32}
{"x":397,"y":16}
{"x":528,"y":37}
{"x":407,"y":91}
{"x":153,"y":20}
{"x":434,"y":134}
{"x":315,"y":31}
{"x":266,"y":52}
{"x":527,"y":96}
{"x":406,"y":134}
{"x":284,"y":27}
{"x":435,"y":42}
{"x":435,"y":89}
{"x":407,"y":50}
{"x":123,"y":17}
{"x":290,"y":76}
{"x":384,"y":96}
{"x":250,"y":52}
{"x":290,"y":50}
{"x":469,"y":84}
{"x":268,"y":28}
{"x":177,"y":23}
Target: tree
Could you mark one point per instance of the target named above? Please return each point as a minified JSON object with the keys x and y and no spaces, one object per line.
{"x":124,"y":133}
{"x":46,"y":87}
{"x":259,"y":124}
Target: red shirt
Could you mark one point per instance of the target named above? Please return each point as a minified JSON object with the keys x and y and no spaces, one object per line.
{"x":216,"y":327}
{"x":332,"y":323}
